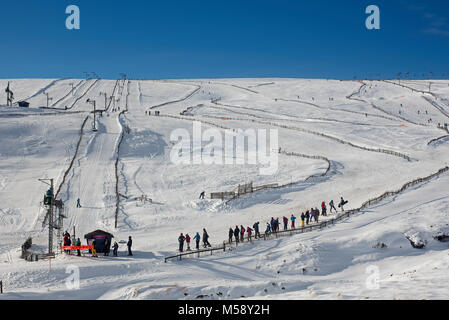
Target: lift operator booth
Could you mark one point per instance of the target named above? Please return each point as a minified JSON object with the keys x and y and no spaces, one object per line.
{"x":100,"y":238}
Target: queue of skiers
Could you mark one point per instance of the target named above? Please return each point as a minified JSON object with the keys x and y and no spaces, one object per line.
{"x":237,"y":234}
{"x":187,"y":239}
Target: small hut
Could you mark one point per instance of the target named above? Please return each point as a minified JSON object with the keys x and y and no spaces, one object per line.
{"x":100,"y":238}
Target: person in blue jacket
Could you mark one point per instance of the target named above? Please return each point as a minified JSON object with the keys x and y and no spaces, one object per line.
{"x":197,"y":238}
{"x":293,"y":219}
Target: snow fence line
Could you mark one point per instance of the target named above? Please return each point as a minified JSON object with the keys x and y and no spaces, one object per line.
{"x":113,"y":94}
{"x":423,"y":92}
{"x":436,"y":139}
{"x":74,"y":156}
{"x":320,"y":225}
{"x":277,"y":186}
{"x":65,"y":96}
{"x":283,"y":152}
{"x":82,"y":96}
{"x":179,"y":100}
{"x":378,"y":150}
{"x":117,"y":160}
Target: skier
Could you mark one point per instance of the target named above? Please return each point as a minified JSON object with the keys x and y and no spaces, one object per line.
{"x":129,"y":244}
{"x":94,"y":249}
{"x":293,"y":218}
{"x":78,"y":203}
{"x":115,"y":249}
{"x":188,"y":242}
{"x":272,"y":224}
{"x":242,"y":233}
{"x":202,"y":195}
{"x":181,"y":240}
{"x":256,"y":230}
{"x":277,"y":224}
{"x":323,"y":208}
{"x":317,"y":214}
{"x":231,"y":233}
{"x":285,"y":220}
{"x":206,"y":239}
{"x":78,"y":244}
{"x":303,"y":217}
{"x":249,"y":231}
{"x":307,"y":217}
{"x":197,"y":238}
{"x":342,"y":203}
{"x":236,"y":234}
{"x":331,"y":204}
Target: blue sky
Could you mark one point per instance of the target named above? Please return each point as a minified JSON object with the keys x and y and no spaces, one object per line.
{"x":212,"y":39}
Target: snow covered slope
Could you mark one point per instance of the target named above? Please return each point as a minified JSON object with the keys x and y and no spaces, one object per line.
{"x":348,"y":135}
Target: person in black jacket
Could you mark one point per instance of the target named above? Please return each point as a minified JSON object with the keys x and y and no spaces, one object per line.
{"x":106,"y":248}
{"x":181,"y":240}
{"x":236,"y":234}
{"x":307,"y":217}
{"x":231,"y":233}
{"x":115,"y":249}
{"x":206,"y":239}
{"x":130,"y":243}
{"x":256,"y":230}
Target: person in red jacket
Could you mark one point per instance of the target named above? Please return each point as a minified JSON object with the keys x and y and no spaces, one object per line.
{"x":242,"y":233}
{"x":188,"y":242}
{"x":249,"y":231}
{"x":323,"y":209}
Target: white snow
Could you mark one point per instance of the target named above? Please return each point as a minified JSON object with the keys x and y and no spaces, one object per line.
{"x":334,"y":263}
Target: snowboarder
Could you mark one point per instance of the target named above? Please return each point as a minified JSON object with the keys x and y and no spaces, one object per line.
{"x":236,"y":234}
{"x":342,"y":203}
{"x":129,"y":244}
{"x":231,"y":234}
{"x":242,"y":233}
{"x":249,"y":231}
{"x":285,"y":220}
{"x":188,"y":242}
{"x":256,"y":230}
{"x":331,"y":205}
{"x":202,"y":195}
{"x":181,"y":240}
{"x":197,"y":238}
{"x":206,"y":239}
{"x":115,"y":252}
{"x":293,"y":219}
{"x":78,"y":203}
{"x":303,"y":217}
